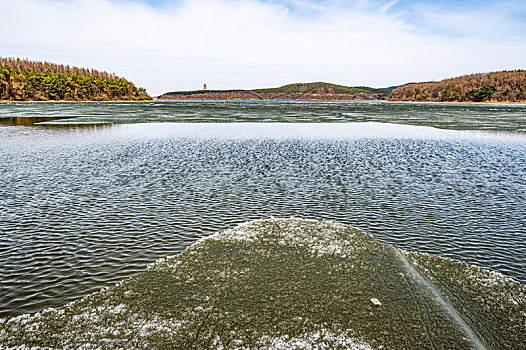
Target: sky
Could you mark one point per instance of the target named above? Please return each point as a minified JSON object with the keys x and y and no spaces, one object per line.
{"x":169,"y":45}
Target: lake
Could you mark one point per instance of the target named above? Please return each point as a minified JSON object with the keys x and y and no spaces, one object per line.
{"x":94,"y":192}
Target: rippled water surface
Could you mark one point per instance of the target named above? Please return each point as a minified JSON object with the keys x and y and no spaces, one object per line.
{"x":86,"y":205}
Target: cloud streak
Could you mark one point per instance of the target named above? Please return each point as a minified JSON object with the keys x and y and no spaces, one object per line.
{"x":247,"y":43}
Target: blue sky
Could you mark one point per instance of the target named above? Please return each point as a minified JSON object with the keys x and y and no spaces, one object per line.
{"x":412,"y":11}
{"x":168,"y":45}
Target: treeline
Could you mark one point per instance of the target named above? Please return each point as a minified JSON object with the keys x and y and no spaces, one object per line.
{"x":323,"y":88}
{"x":48,"y":67}
{"x":24,"y":80}
{"x":504,"y":86}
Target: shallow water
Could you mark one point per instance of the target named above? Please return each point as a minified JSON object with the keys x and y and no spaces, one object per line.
{"x":85,"y":206}
{"x":461,"y":116}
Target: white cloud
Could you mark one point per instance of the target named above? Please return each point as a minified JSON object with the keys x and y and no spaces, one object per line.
{"x":245,"y":43}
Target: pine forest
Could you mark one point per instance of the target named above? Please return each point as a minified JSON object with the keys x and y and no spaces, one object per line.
{"x":24,"y":80}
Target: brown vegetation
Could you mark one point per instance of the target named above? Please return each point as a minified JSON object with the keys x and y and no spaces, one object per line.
{"x":299,"y":91}
{"x":505,"y":86}
{"x":24,"y":80}
{"x":47,"y":67}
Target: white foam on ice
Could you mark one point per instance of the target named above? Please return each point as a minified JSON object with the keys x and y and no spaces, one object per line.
{"x":319,"y":339}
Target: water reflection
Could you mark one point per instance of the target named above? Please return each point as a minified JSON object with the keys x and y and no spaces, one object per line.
{"x":28,"y":121}
{"x":46,"y":122}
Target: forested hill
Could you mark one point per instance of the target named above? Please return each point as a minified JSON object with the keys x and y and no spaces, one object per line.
{"x":24,"y":80}
{"x":298,"y":91}
{"x":324,"y":88}
{"x":504,"y":86}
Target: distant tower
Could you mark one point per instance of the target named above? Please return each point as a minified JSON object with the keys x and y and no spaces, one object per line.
{"x":204,"y":86}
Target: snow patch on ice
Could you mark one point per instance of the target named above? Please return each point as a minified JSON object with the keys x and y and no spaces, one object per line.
{"x":318,"y":339}
{"x":326,"y":238}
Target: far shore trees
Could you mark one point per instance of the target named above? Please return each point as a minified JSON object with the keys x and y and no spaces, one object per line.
{"x":504,"y":86}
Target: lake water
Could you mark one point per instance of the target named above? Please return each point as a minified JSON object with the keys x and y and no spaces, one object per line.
{"x":93,"y":192}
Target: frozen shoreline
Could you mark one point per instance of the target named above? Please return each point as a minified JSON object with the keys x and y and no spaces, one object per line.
{"x":280,"y":283}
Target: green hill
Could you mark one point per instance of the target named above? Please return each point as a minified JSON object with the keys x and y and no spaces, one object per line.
{"x":321,"y":87}
{"x":297,"y":91}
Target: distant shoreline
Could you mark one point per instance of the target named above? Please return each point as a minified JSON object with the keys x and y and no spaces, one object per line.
{"x":349,"y":100}
{"x":266,"y":100}
{"x":71,"y":101}
{"x":493,"y":87}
